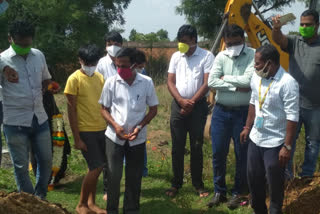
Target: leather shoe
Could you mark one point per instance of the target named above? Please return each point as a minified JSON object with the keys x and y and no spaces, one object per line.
{"x":234,"y":202}
{"x":217,"y":199}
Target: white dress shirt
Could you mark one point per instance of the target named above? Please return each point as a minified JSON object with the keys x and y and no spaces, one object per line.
{"x":23,"y":100}
{"x":128,"y":105}
{"x":106,"y":67}
{"x":281,"y":104}
{"x":190,"y":70}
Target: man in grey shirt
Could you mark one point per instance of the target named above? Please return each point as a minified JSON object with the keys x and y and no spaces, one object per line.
{"x":25,"y":120}
{"x":304,"y":66}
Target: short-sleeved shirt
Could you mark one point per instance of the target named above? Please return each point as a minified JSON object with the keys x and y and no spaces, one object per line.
{"x":106,"y":67}
{"x":23,"y":100}
{"x":128,"y":105}
{"x":304,"y":66}
{"x":281,"y":104}
{"x":88,"y":91}
{"x":190,"y":70}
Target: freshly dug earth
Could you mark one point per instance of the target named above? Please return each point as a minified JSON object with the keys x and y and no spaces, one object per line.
{"x":303,"y":196}
{"x":24,"y":203}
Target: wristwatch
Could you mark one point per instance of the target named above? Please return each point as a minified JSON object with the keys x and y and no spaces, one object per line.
{"x":288,"y":147}
{"x":139,"y":127}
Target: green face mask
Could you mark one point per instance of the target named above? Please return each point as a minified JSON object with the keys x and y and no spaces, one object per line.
{"x":307,"y":32}
{"x":20,"y":50}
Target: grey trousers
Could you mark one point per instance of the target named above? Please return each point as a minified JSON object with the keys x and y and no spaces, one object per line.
{"x":134,"y":156}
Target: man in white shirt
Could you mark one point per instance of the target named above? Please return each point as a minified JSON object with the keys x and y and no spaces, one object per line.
{"x":24,"y":118}
{"x":188,"y":84}
{"x":272,"y":119}
{"x":106,"y":65}
{"x":124,"y":99}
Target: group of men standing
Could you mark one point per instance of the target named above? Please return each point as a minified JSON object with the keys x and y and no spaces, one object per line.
{"x":259,"y":106}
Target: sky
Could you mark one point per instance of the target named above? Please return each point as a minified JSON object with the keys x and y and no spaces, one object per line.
{"x":147,"y":16}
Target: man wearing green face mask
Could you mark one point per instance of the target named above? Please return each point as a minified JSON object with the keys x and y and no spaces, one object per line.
{"x":304,"y":66}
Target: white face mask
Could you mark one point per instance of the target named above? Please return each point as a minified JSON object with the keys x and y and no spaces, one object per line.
{"x":139,"y":70}
{"x":113,"y":50}
{"x":234,"y":50}
{"x":88,"y":70}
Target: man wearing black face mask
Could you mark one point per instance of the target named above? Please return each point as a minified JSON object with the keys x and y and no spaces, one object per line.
{"x":230,"y":76}
{"x":272,"y":119}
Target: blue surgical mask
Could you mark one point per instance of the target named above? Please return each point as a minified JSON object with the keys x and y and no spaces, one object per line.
{"x":3,"y":7}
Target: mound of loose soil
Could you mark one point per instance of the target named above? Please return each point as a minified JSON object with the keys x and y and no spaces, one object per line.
{"x":24,"y":203}
{"x":303,"y":196}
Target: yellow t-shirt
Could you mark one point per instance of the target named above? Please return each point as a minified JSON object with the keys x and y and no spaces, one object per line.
{"x":88,"y":91}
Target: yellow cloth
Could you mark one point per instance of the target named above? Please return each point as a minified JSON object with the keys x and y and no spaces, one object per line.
{"x":88,"y":91}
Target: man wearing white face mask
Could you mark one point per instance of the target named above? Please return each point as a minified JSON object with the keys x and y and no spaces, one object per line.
{"x":230,"y":76}
{"x":83,"y":91}
{"x":106,"y":65}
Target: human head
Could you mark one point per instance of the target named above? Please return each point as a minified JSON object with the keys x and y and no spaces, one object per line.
{"x":309,"y":23}
{"x":89,"y":55}
{"x":233,"y":35}
{"x":21,"y":34}
{"x":113,"y":42}
{"x":126,"y":63}
{"x":187,"y":35}
{"x":140,"y":59}
{"x":267,"y":58}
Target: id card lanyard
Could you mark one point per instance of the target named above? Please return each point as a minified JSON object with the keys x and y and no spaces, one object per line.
{"x":259,"y":120}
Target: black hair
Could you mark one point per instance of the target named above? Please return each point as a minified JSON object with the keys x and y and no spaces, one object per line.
{"x":311,"y":12}
{"x":113,"y":36}
{"x":233,"y":31}
{"x":22,"y":29}
{"x":269,"y":52}
{"x":140,"y":57}
{"x":127,"y":52}
{"x":187,"y":30}
{"x":90,"y":54}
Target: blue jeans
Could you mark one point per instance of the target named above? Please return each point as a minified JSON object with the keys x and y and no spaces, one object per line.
{"x":145,"y":163}
{"x":19,"y":140}
{"x":227,"y":124}
{"x":310,"y":118}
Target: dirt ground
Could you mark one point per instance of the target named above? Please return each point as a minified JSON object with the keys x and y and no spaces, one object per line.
{"x":23,"y":203}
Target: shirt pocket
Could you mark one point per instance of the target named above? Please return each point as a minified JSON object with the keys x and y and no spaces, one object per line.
{"x":35,"y":75}
{"x":138,"y":102}
{"x":197,"y":72}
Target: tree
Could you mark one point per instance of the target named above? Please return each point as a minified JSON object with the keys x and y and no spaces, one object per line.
{"x":62,"y":26}
{"x":206,"y":14}
{"x":161,"y":35}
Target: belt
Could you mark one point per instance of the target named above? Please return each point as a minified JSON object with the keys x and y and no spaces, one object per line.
{"x":232,"y":108}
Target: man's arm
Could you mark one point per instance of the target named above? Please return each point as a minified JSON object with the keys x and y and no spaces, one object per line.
{"x":202,"y":90}
{"x":284,"y":154}
{"x":277,"y":35}
{"x":105,"y":112}
{"x":73,"y":120}
{"x":250,"y":119}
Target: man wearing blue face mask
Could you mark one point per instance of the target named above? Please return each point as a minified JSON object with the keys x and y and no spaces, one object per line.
{"x":187,"y":82}
{"x":230,"y":76}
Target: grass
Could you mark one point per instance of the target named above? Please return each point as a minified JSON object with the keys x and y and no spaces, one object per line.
{"x":153,"y":199}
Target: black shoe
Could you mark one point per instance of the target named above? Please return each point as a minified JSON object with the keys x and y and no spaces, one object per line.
{"x":217,"y":199}
{"x":234,"y":202}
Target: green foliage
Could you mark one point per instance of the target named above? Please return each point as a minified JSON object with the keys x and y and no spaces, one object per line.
{"x":161,"y":35}
{"x":62,"y":26}
{"x":206,"y":14}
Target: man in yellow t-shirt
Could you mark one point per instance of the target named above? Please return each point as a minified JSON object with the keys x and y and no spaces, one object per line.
{"x":83,"y":91}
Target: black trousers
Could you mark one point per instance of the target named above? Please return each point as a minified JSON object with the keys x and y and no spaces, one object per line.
{"x":264,"y":170}
{"x":180,"y":125}
{"x":133,"y":171}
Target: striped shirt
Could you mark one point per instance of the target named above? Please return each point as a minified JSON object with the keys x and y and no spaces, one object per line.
{"x":281,"y":104}
{"x":236,"y":72}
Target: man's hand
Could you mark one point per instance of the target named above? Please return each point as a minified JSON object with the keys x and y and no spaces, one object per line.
{"x":185,"y":112}
{"x":244,"y":135}
{"x":120,"y":133}
{"x":276,"y":22}
{"x":243,"y":89}
{"x":80,"y":145}
{"x":284,"y":156}
{"x":11,"y":75}
{"x":186,"y":103}
{"x":221,"y":77}
{"x":133,"y":135}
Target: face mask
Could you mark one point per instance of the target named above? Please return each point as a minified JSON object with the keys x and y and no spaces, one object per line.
{"x":88,"y":70}
{"x":113,"y":50}
{"x":20,"y":50}
{"x":125,"y":73}
{"x":139,"y":70}
{"x":3,"y":7}
{"x":234,"y":50}
{"x":183,"y":47}
{"x":263,"y":73}
{"x":307,"y":32}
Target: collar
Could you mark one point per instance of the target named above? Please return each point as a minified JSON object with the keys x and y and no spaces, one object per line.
{"x":136,"y":80}
{"x":195,"y":53}
{"x":314,"y":42}
{"x":12,"y":53}
{"x":278,"y":74}
{"x":109,"y":60}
